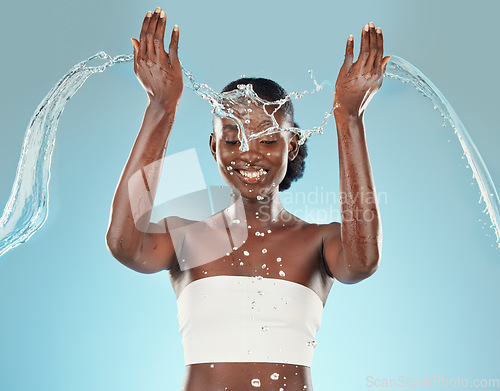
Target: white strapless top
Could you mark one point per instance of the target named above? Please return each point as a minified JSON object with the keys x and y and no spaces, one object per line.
{"x":248,"y":319}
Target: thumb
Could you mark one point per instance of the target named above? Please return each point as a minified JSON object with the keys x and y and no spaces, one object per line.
{"x":135,"y":44}
{"x":384,"y":63}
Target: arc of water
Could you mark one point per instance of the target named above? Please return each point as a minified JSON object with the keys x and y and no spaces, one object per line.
{"x":405,"y":72}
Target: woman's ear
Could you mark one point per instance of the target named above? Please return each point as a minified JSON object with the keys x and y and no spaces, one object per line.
{"x":213,"y":145}
{"x":293,"y":146}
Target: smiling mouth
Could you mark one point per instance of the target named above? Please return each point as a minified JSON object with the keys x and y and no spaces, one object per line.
{"x":252,"y":175}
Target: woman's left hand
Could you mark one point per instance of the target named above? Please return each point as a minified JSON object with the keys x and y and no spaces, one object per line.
{"x":358,"y":82}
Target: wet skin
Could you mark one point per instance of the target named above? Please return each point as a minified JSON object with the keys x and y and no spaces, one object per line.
{"x":312,"y":255}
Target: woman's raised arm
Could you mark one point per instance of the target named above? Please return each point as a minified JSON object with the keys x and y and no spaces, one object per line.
{"x":130,"y":238}
{"x":352,"y":252}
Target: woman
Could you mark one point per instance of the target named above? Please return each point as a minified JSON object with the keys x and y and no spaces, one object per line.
{"x":248,"y":315}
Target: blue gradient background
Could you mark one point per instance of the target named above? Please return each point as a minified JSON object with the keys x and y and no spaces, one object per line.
{"x":73,"y":318}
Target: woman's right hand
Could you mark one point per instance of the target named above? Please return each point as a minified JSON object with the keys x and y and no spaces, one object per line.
{"x":159,"y":72}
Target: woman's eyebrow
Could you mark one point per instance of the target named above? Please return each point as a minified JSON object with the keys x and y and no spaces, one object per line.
{"x":230,"y":127}
{"x":266,"y":122}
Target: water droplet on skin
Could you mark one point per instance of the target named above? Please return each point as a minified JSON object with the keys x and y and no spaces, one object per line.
{"x":264,"y":250}
{"x":278,"y":259}
{"x":233,"y":163}
{"x":227,"y":254}
{"x":257,"y":233}
{"x":247,"y":121}
{"x":235,"y":248}
{"x":231,"y":173}
{"x":229,"y":168}
{"x":236,"y":221}
{"x":249,"y":226}
{"x":260,"y":198}
{"x":246,"y":253}
{"x":211,"y":365}
{"x":282,"y":273}
{"x":264,"y":266}
{"x":250,"y":190}
{"x":256,"y":382}
{"x":269,"y":231}
{"x":241,"y":263}
{"x":275,"y":376}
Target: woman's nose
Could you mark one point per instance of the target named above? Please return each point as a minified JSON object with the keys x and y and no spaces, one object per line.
{"x":254,"y":154}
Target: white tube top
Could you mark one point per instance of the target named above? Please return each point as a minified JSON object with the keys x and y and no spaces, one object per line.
{"x":248,"y":319}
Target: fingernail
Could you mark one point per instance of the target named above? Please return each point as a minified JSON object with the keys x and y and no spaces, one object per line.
{"x":350,"y":37}
{"x":366,"y":28}
{"x":149,"y":14}
{"x":162,"y":14}
{"x":176,"y":28}
{"x":379,"y":31}
{"x":371,"y":24}
{"x":157,"y":10}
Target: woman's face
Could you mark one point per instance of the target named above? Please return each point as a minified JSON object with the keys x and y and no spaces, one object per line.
{"x":259,"y":171}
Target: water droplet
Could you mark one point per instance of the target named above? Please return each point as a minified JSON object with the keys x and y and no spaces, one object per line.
{"x":241,"y":263}
{"x":229,"y":168}
{"x":264,"y":250}
{"x":278,"y":259}
{"x":246,"y":253}
{"x":236,"y":221}
{"x":260,"y":198}
{"x":211,"y":365}
{"x":257,"y":233}
{"x":264,"y":266}
{"x":247,"y":121}
{"x":256,"y":382}
{"x":312,"y":343}
{"x":269,"y":231}
{"x":275,"y":376}
{"x":282,"y":273}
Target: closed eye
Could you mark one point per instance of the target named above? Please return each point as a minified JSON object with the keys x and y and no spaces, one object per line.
{"x":232,"y":142}
{"x":268,"y":141}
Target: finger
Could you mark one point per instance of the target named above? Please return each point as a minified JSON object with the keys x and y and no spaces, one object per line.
{"x":349,"y":51}
{"x":174,"y":44}
{"x":151,"y":32}
{"x":385,"y":60}
{"x":143,"y":46}
{"x":160,"y":34}
{"x":364,"y":50}
{"x":373,"y":45}
{"x":380,"y":49}
{"x":135,"y":45}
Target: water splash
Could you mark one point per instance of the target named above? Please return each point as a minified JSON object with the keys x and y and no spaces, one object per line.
{"x":27,"y":207}
{"x":402,"y":70}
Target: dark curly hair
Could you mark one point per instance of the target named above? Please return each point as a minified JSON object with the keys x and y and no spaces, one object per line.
{"x":271,"y":91}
